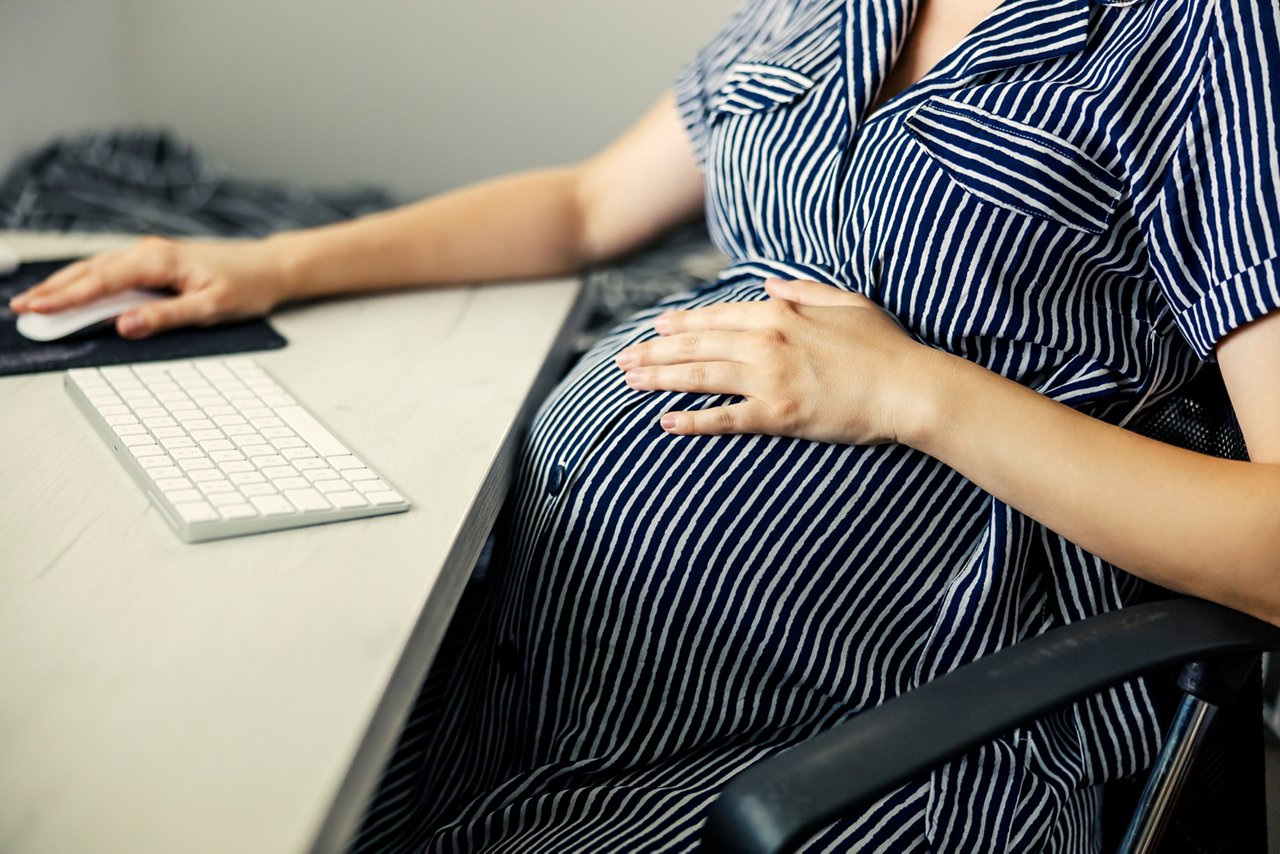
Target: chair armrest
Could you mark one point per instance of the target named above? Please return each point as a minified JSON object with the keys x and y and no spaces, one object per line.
{"x":775,"y":804}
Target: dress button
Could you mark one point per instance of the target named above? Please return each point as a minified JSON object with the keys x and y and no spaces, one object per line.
{"x":556,"y":482}
{"x":508,"y":658}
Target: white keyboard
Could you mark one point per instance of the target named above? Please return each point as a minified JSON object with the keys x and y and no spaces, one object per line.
{"x":223,"y":450}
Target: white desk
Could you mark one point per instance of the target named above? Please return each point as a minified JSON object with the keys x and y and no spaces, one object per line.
{"x":241,"y":695}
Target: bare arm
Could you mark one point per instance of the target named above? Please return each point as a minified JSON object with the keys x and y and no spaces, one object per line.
{"x":529,"y":225}
{"x":1190,"y":522}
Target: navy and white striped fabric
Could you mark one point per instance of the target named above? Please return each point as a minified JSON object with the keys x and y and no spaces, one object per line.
{"x":1082,"y":197}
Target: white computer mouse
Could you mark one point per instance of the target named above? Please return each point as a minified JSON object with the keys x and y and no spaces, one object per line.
{"x":51,"y":327}
{"x":9,"y":260}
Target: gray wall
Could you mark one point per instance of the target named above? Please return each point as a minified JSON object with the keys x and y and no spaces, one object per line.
{"x":418,"y":95}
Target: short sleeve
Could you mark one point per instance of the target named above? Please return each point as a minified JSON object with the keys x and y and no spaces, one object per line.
{"x":701,"y":77}
{"x":1214,"y":225}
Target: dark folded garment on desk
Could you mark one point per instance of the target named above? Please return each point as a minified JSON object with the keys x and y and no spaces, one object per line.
{"x":149,"y":181}
{"x":20,"y":356}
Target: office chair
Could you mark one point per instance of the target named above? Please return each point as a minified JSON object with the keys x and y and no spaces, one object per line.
{"x":779,"y":802}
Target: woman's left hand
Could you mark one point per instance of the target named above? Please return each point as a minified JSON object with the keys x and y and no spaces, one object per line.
{"x":813,"y":362}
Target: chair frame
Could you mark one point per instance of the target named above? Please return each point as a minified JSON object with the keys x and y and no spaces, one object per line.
{"x":776,"y":804}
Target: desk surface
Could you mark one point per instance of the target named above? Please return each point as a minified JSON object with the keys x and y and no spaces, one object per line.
{"x":241,"y":695}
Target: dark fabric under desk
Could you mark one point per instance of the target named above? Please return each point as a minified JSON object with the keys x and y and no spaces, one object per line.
{"x":21,"y":356}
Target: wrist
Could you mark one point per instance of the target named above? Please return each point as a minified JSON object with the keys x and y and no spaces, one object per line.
{"x":284,"y":261}
{"x":932,"y":379}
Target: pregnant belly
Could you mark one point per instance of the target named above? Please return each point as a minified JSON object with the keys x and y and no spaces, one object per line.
{"x":757,"y":580}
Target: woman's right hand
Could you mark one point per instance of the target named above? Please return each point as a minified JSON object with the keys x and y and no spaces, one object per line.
{"x":215,"y":282}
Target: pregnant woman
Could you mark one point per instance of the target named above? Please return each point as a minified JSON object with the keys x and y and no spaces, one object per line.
{"x":970,"y":241}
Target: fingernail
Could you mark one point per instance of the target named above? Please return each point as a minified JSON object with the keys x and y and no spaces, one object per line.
{"x":38,"y":304}
{"x":625,"y":359}
{"x":662,"y":323}
{"x":634,"y":378}
{"x":669,"y":421}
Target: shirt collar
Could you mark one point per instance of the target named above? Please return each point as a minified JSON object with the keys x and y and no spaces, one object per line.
{"x":1021,"y":32}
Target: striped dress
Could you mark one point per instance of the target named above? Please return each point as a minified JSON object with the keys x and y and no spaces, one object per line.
{"x":1082,"y":197}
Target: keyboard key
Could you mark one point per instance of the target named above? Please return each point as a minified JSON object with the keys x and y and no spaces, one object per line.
{"x":347,"y":500}
{"x":252,"y":451}
{"x":335,"y":485}
{"x":265,"y":424}
{"x":209,"y":475}
{"x":237,"y":511}
{"x":152,"y":450}
{"x":255,"y":489}
{"x":306,"y":426}
{"x":357,"y":475}
{"x":114,"y":409}
{"x":225,"y":421}
{"x":150,"y":411}
{"x":297,"y":483}
{"x":385,"y":497}
{"x":325,"y":473}
{"x":225,"y":497}
{"x":137,"y":439}
{"x":191,"y":453}
{"x":246,"y":477}
{"x":196,"y":511}
{"x":170,"y":484}
{"x":217,"y":487}
{"x":211,"y":445}
{"x":307,"y":499}
{"x":347,"y":462}
{"x":272,"y":505}
{"x":278,"y":472}
{"x":270,"y":461}
{"x":194,"y":465}
{"x":178,"y":442}
{"x":158,"y":421}
{"x":154,"y":461}
{"x":229,"y":456}
{"x":308,"y":463}
{"x":367,"y":486}
{"x":130,"y":430}
{"x":276,"y":432}
{"x":298,"y":452}
{"x":184,"y":495}
{"x":121,"y":420}
{"x":206,"y":434}
{"x":237,"y":466}
{"x":169,"y":432}
{"x":166,"y":472}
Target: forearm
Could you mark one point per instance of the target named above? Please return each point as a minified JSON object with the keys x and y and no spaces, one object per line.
{"x":522,"y":226}
{"x":1204,"y":526}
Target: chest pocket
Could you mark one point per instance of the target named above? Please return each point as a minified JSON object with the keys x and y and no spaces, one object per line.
{"x":758,"y":87}
{"x":1016,"y":166}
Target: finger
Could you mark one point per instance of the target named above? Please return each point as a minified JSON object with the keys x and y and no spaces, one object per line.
{"x":713,"y":377}
{"x":60,"y":279}
{"x":195,"y":308}
{"x":810,"y":293}
{"x":683,"y":347}
{"x":744,"y":417}
{"x":724,"y":316}
{"x":148,"y":263}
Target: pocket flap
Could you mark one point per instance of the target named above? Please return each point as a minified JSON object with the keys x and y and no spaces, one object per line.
{"x":1016,"y":166}
{"x":754,"y":87}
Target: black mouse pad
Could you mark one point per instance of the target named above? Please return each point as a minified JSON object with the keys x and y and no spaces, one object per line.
{"x":104,"y":347}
